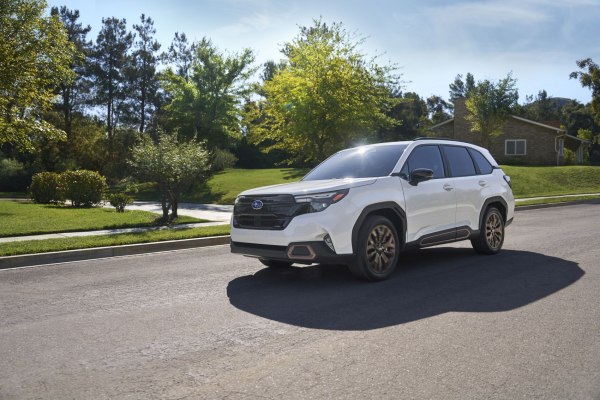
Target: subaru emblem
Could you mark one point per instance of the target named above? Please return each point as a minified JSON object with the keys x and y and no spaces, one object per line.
{"x":257,"y":205}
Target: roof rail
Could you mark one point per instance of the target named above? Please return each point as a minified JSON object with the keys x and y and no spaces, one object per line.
{"x":435,"y":138}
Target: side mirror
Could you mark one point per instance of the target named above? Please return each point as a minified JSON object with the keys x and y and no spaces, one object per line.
{"x":420,"y":175}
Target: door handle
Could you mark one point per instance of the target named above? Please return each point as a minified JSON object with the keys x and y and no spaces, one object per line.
{"x":482,"y":183}
{"x":448,"y":187}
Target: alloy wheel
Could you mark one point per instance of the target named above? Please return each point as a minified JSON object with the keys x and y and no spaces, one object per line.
{"x":381,"y":249}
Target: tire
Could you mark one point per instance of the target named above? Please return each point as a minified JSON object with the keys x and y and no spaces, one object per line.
{"x":491,"y":233}
{"x":378,"y":249}
{"x":275,"y":263}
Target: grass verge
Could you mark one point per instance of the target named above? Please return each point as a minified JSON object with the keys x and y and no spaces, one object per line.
{"x":23,"y":218}
{"x":86,"y":242}
{"x":555,"y":200}
{"x":553,"y":181}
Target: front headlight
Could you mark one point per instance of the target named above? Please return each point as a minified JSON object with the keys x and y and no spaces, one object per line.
{"x":320,"y":201}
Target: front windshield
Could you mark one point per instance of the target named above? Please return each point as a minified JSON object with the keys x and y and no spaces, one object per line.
{"x":359,"y":162}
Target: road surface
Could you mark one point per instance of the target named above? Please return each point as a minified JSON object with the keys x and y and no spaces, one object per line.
{"x":203,"y":323}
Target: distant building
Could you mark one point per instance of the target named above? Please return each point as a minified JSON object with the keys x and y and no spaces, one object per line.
{"x":523,"y":141}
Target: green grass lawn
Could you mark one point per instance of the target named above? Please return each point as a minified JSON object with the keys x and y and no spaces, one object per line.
{"x":23,"y":218}
{"x":552,"y":181}
{"x":43,"y":246}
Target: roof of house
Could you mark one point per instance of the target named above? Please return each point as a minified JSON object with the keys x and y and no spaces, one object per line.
{"x":513,"y":116}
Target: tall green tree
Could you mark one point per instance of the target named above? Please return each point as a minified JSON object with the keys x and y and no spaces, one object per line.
{"x":73,"y":95}
{"x":173,"y":166}
{"x":411,"y":116}
{"x":142,"y":72}
{"x":489,"y":105}
{"x":35,"y":55}
{"x":109,"y":63}
{"x":329,"y":95}
{"x":180,"y":55}
{"x":590,"y":79}
{"x":207,"y":106}
{"x":438,"y":109}
{"x":460,"y":88}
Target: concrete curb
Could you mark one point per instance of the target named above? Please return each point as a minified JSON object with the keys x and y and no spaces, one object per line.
{"x":28,"y":260}
{"x":552,"y":205}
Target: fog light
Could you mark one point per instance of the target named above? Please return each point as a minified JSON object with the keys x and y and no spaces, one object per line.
{"x":328,"y":242}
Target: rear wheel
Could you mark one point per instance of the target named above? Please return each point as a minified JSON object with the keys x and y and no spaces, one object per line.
{"x":491,"y":233}
{"x":377,"y":249}
{"x":275,"y":263}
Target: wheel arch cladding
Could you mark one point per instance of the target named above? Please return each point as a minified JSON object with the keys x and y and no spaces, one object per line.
{"x":391,"y":211}
{"x":497,"y":202}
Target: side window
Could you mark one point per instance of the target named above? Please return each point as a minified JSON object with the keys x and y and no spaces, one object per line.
{"x":428,"y":157}
{"x":459,"y":161}
{"x":482,"y":163}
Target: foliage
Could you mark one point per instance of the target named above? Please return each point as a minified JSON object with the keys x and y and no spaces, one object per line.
{"x":46,"y":188}
{"x":489,"y":105}
{"x":74,"y":94}
{"x":460,"y":88}
{"x":83,"y":188}
{"x":438,"y":109}
{"x":590,"y":79}
{"x":34,"y":59}
{"x":120,"y":200}
{"x":14,"y":177}
{"x":172,"y":165}
{"x":540,"y":108}
{"x":108,"y":65}
{"x":410,"y":114}
{"x":22,"y":218}
{"x":142,"y":73}
{"x":207,"y":105}
{"x":181,"y":55}
{"x":328,"y":96}
{"x":222,"y":159}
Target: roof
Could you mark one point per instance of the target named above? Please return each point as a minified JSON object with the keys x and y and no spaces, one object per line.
{"x":555,"y":129}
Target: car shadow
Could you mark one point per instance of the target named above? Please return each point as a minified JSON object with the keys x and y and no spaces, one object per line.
{"x":427,"y":283}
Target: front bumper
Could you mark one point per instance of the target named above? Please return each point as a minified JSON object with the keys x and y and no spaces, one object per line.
{"x":298,"y":252}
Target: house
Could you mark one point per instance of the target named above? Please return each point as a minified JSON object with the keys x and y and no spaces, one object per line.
{"x":523,"y":141}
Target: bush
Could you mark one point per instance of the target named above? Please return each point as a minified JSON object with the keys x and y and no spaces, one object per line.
{"x":84,"y":188}
{"x":14,"y":177}
{"x":45,"y":188}
{"x":223,"y":159}
{"x":119,"y":201}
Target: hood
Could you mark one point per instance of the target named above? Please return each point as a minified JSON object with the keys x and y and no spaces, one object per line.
{"x":309,"y":187}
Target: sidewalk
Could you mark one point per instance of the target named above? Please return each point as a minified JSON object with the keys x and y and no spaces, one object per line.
{"x":217,"y":214}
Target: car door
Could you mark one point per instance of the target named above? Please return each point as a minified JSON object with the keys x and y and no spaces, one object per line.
{"x":468,"y":188}
{"x":430,"y":205}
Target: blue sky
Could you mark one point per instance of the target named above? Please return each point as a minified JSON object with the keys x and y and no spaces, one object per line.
{"x":431,"y":41}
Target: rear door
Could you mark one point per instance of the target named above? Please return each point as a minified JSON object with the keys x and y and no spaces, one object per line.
{"x":430,"y":205}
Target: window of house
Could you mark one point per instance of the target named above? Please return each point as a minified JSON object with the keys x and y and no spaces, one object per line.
{"x":516,"y":147}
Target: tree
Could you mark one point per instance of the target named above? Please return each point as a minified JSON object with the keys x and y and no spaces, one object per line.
{"x":35,"y":55}
{"x":143,"y":76}
{"x":460,"y":88}
{"x":438,"y":109}
{"x":181,"y":54}
{"x":540,"y":108}
{"x":73,"y":94}
{"x":489,"y":105}
{"x":328,"y":96}
{"x":590,"y":79}
{"x":109,"y":62}
{"x":410,"y":114}
{"x":173,"y":166}
{"x":208,"y":105}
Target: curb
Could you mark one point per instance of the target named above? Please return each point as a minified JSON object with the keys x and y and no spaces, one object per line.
{"x":552,"y":205}
{"x":28,"y":260}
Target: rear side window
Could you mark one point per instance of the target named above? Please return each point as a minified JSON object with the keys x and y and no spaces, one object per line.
{"x":460,"y":161}
{"x":482,"y":163}
{"x":428,"y":157}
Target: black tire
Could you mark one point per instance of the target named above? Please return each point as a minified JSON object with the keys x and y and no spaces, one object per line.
{"x":377,"y":249}
{"x":275,"y":263}
{"x":491,"y":233}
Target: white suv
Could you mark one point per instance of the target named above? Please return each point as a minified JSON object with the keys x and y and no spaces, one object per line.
{"x":362,"y":206}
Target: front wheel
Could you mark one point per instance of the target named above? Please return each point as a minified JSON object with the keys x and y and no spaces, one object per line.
{"x":377,"y":249}
{"x":275,"y":263}
{"x":491,"y":233}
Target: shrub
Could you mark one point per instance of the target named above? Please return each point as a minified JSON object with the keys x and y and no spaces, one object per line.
{"x":45,"y":188}
{"x":223,"y":159}
{"x":14,"y":177}
{"x":119,"y":201}
{"x":84,"y":188}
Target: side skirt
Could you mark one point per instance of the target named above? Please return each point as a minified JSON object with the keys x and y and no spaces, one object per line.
{"x":446,"y":236}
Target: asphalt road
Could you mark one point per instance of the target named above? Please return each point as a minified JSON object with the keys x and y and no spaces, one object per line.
{"x":203,"y":323}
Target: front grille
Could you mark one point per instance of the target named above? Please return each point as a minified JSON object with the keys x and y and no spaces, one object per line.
{"x":276,"y":213}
